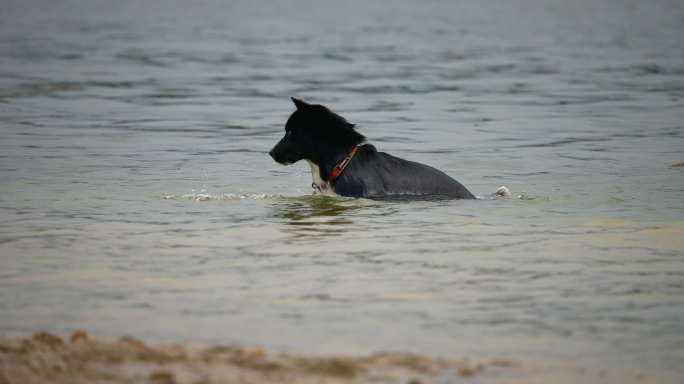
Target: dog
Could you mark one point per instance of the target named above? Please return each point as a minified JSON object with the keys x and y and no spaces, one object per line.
{"x":343,"y":164}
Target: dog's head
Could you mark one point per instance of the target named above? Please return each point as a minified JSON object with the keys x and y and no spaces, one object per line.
{"x":315,"y":133}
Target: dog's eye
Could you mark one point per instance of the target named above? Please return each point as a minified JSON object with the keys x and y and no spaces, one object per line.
{"x":289,"y":133}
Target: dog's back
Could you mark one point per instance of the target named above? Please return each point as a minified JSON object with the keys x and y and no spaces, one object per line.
{"x":378,"y":174}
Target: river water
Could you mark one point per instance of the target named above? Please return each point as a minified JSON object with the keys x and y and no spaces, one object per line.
{"x":137,"y":195}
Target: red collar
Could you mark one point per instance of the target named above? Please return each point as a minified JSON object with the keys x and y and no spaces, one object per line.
{"x":340,"y":167}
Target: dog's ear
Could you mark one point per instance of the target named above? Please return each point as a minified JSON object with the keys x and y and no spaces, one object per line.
{"x":300,"y":103}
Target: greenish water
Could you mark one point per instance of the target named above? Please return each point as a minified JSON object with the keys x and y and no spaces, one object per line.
{"x":137,"y":195}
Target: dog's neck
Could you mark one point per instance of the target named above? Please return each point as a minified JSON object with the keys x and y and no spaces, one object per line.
{"x":322,"y":167}
{"x":321,"y":185}
{"x":316,"y":173}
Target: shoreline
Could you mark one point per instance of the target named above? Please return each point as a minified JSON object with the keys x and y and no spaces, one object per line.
{"x":47,"y":358}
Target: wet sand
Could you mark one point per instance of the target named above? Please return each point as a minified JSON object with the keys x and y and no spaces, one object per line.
{"x":47,"y":358}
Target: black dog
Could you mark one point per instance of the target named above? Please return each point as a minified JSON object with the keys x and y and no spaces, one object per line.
{"x":331,"y":145}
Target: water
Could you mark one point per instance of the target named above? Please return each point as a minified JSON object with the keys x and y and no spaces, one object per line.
{"x":137,"y":195}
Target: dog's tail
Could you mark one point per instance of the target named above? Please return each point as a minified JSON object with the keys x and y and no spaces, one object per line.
{"x":503,"y":191}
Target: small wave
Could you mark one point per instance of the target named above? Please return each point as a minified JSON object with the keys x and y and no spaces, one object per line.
{"x":210,"y":197}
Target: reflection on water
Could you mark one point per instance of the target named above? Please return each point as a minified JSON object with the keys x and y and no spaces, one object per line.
{"x":307,"y":213}
{"x":137,"y":195}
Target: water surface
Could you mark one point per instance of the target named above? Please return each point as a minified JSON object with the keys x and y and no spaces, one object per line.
{"x":137,"y":195}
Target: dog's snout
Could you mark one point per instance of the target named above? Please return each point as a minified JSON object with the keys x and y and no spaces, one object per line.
{"x":282,"y":153}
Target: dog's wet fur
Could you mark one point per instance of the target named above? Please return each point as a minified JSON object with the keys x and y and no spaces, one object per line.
{"x":323,"y":138}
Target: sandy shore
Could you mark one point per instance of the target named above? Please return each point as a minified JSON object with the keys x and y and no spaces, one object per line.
{"x":47,"y":358}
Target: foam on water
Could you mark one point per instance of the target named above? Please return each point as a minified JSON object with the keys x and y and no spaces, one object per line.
{"x":206,"y":196}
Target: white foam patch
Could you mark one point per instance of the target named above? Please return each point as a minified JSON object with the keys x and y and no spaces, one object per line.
{"x":209,"y":197}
